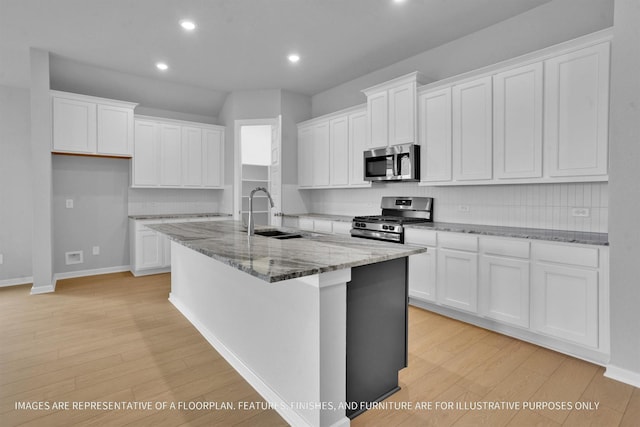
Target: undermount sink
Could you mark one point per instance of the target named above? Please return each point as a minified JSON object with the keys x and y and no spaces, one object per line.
{"x":277,"y":234}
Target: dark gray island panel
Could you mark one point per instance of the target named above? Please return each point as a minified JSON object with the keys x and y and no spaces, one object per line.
{"x":376,"y":332}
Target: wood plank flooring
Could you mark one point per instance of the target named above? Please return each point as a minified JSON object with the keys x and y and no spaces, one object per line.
{"x":116,"y":338}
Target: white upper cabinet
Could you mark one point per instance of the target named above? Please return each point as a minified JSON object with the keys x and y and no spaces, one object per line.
{"x":357,"y":146}
{"x":305,"y":156}
{"x":174,"y":154}
{"x":213,"y":158}
{"x":539,"y":118}
{"x":576,"y":112}
{"x":434,"y":117}
{"x":145,"y":154}
{"x":339,"y":138}
{"x":115,"y":130}
{"x":320,"y":150}
{"x":517,"y":122}
{"x":330,"y":150}
{"x":74,"y":126}
{"x":391,"y":111}
{"x":472,"y":130}
{"x":192,"y":159}
{"x":170,"y":156}
{"x":93,"y":126}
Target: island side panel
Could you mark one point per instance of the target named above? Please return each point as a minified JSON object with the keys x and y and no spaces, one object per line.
{"x":287,"y":339}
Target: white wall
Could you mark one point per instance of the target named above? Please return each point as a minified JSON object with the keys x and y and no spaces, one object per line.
{"x":16,"y":197}
{"x":98,"y":188}
{"x":546,"y":25}
{"x":624,"y":183}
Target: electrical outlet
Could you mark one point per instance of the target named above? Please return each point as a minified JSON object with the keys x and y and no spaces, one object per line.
{"x":69,"y":204}
{"x":1,"y":259}
{"x":96,"y":250}
{"x":580,"y":212}
{"x":74,"y":257}
{"x":463,"y":208}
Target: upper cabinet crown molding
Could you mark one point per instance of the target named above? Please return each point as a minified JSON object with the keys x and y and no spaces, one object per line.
{"x":89,"y":125}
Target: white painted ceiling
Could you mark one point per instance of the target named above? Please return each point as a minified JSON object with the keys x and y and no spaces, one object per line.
{"x":239,"y":44}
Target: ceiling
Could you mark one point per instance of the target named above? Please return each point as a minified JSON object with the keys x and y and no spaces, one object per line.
{"x":239,"y":44}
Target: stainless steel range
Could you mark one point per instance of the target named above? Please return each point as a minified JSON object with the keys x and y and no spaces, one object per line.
{"x":396,"y":212}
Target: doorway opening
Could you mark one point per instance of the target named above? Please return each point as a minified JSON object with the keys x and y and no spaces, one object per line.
{"x":258,"y":165}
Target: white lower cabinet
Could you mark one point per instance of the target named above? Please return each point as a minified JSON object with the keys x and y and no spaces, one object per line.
{"x":151,"y":251}
{"x":504,"y":280}
{"x":550,"y":293}
{"x":457,"y":271}
{"x":565,"y":294}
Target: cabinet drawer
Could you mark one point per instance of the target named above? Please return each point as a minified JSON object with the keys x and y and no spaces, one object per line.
{"x":504,"y":247}
{"x":461,"y":242}
{"x":420,"y":237}
{"x":323,"y":226}
{"x":340,"y":227}
{"x":565,"y":254}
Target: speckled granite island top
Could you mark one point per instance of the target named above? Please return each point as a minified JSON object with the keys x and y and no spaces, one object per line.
{"x":274,"y":260}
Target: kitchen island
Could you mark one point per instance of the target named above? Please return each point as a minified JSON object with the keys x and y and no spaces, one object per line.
{"x":308,"y":320}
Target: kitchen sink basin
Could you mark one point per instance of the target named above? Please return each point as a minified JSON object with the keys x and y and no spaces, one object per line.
{"x":277,"y":234}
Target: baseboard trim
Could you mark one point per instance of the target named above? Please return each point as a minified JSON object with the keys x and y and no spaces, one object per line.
{"x":93,"y":272}
{"x":270,"y":395}
{"x":623,"y":375}
{"x":43,"y":289}
{"x":16,"y":281}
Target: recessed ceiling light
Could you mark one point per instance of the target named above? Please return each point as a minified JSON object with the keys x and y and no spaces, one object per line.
{"x":188,"y":25}
{"x":399,"y":1}
{"x":293,"y":58}
{"x":162,"y":66}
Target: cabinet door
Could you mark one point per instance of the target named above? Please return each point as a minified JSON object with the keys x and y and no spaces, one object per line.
{"x":472,"y":134}
{"x":422,"y":275}
{"x":457,"y":284}
{"x":517,"y":120}
{"x":74,"y":126}
{"x":565,"y":303}
{"x":145,"y":154}
{"x":378,"y":115}
{"x":170,"y":155}
{"x":504,"y":289}
{"x":149,"y":250}
{"x":402,"y":114}
{"x":576,"y":110}
{"x":192,"y":159}
{"x":435,"y":135}
{"x":321,"y":155}
{"x":305,"y":157}
{"x":213,"y":158}
{"x":166,"y":251}
{"x":115,"y":130}
{"x":339,"y":165}
{"x":357,"y":146}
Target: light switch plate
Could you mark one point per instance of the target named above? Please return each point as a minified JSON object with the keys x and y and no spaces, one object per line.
{"x":69,"y":204}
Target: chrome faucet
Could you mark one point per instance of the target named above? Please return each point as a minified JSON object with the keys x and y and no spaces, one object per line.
{"x":250,"y":225}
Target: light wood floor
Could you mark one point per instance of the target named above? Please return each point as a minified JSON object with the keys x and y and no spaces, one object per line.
{"x":116,"y":338}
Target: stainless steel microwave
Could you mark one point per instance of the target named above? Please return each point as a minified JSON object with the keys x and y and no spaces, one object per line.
{"x":394,"y":163}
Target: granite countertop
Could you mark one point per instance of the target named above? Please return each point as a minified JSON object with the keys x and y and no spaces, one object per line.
{"x":522,"y":233}
{"x":274,"y":260}
{"x":178,"y":216}
{"x":489,"y":230}
{"x":342,"y":218}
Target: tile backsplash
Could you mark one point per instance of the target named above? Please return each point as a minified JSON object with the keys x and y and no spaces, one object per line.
{"x":153,"y":201}
{"x":549,"y":206}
